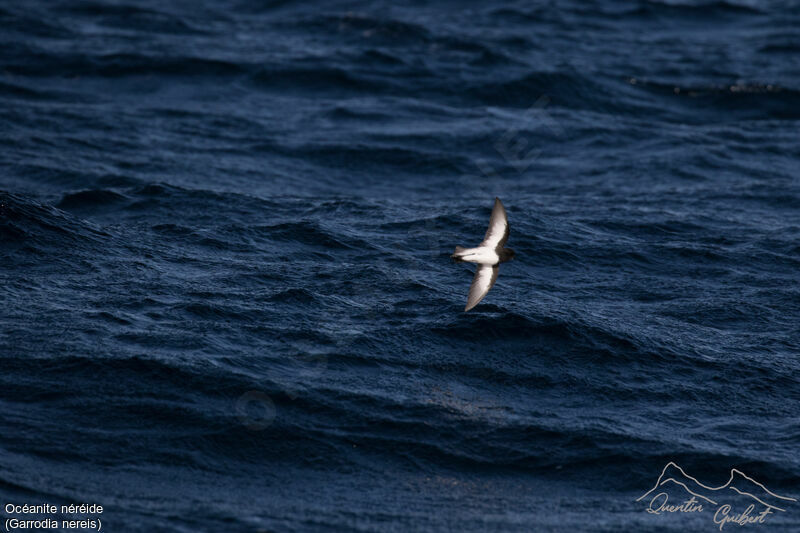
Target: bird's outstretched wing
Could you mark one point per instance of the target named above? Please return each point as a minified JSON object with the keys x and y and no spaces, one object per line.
{"x":497,"y":234}
{"x":484,"y":279}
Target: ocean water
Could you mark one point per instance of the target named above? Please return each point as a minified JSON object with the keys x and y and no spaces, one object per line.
{"x":226,"y":297}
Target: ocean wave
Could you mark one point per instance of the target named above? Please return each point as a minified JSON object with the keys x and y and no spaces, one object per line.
{"x":364,"y":26}
{"x":694,"y":9}
{"x":765,"y":100}
{"x":312,"y":234}
{"x":41,"y":63}
{"x":26,"y":221}
{"x":131,"y":17}
{"x":90,"y":199}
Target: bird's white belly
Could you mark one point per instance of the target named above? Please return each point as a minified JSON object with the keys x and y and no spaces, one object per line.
{"x":483,"y":255}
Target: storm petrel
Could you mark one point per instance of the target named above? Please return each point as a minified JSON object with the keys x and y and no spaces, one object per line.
{"x":488,"y":255}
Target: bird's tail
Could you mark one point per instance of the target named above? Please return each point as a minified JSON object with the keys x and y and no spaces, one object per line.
{"x":457,"y":254}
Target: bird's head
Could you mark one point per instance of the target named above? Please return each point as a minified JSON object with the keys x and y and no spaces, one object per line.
{"x":508,"y":254}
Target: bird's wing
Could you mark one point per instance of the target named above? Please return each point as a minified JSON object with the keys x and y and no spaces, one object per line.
{"x":484,"y":279}
{"x":497,"y":234}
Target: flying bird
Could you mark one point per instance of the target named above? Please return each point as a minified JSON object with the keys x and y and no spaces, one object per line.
{"x":488,"y":255}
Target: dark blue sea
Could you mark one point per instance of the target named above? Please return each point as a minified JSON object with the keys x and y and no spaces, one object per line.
{"x":226,"y":297}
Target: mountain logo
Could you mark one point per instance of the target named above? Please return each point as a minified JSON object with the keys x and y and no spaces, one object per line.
{"x":741,"y":500}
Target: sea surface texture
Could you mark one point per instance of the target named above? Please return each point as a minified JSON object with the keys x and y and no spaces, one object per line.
{"x":226,"y":298}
